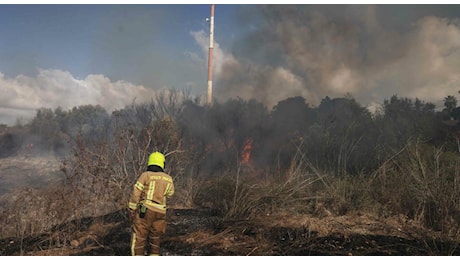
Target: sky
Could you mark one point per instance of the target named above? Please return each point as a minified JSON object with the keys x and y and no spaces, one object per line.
{"x":67,"y":55}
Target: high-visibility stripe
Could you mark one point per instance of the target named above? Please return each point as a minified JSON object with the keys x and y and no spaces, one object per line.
{"x":167,"y":189}
{"x":133,"y":244}
{"x":139,"y":186}
{"x":151,"y":190}
{"x":132,"y":205}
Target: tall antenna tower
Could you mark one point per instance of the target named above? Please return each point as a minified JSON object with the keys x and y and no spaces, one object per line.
{"x":211,"y":48}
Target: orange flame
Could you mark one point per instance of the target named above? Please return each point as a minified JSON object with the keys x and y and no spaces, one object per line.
{"x":246,"y":152}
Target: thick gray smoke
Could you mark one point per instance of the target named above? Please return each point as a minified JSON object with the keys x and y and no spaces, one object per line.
{"x":314,"y":51}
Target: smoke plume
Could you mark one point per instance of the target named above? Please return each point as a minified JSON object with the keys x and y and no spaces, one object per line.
{"x":314,"y":51}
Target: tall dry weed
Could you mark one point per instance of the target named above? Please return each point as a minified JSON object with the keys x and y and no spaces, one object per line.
{"x":424,"y":183}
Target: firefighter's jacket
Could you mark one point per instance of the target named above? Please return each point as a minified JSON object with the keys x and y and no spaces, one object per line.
{"x":151,"y":189}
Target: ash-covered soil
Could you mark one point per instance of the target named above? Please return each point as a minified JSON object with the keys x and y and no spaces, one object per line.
{"x":201,"y":232}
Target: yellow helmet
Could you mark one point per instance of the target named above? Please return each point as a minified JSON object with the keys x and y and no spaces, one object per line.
{"x":157,"y":159}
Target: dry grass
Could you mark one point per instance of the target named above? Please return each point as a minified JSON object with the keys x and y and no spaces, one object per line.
{"x":415,"y":194}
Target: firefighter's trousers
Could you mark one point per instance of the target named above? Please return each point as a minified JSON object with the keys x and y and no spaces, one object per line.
{"x":150,"y":228}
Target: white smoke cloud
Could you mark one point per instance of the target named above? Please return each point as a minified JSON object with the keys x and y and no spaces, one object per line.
{"x":226,"y":66}
{"x":22,"y":95}
{"x":430,"y":68}
{"x":220,"y":57}
{"x":313,"y":53}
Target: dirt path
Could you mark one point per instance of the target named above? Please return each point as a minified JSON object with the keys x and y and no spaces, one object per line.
{"x":201,"y":232}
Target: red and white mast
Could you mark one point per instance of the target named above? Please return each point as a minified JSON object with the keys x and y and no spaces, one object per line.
{"x":211,"y":48}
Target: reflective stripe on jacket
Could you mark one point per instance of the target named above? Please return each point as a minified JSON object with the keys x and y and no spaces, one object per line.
{"x":152,"y":189}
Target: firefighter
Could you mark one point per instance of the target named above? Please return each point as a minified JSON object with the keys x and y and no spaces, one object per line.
{"x":147,"y":206}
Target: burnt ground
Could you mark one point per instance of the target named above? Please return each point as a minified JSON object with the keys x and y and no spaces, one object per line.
{"x":201,"y":232}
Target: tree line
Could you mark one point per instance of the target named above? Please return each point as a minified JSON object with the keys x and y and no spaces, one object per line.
{"x":339,"y":135}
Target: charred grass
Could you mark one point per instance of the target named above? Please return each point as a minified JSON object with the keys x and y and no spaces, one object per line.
{"x":193,"y":232}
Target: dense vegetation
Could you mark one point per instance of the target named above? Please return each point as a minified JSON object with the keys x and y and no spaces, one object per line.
{"x":403,"y":159}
